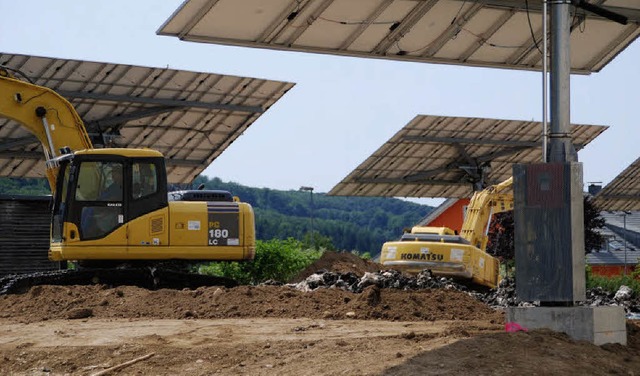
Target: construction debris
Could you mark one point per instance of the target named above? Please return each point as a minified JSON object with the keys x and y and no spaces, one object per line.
{"x":392,"y":279}
{"x":503,"y":296}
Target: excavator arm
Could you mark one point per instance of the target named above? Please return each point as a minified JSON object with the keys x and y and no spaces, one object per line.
{"x":45,"y":114}
{"x":494,"y":199}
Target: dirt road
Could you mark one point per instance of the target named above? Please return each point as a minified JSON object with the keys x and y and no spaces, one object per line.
{"x":231,"y":346}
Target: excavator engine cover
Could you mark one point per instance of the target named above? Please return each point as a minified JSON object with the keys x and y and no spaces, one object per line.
{"x":201,"y":195}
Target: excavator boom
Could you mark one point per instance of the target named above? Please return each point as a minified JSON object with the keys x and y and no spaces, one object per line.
{"x":494,"y":199}
{"x":45,"y":114}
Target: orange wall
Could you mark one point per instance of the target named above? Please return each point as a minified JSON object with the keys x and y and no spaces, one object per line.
{"x":611,"y":270}
{"x":452,"y":217}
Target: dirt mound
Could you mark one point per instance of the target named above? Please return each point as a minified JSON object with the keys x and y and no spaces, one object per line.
{"x":268,"y":330}
{"x":275,"y":329}
{"x":73,"y":302}
{"x":338,"y":262}
{"x":526,"y":353}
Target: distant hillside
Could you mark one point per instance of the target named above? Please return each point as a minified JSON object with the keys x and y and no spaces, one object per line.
{"x":350,"y":223}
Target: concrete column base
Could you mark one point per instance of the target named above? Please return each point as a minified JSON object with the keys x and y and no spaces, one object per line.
{"x":598,"y":325}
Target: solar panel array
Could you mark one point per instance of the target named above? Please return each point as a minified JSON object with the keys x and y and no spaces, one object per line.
{"x":492,"y":33}
{"x":623,"y":192}
{"x":438,"y":156}
{"x":191,"y":117}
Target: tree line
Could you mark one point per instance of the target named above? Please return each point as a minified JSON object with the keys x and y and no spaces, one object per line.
{"x":358,"y":224}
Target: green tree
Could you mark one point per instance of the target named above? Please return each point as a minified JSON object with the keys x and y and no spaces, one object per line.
{"x":593,"y":240}
{"x":318,"y":242}
{"x":24,"y":186}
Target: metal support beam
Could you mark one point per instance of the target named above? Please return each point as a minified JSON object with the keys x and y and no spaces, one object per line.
{"x":618,"y":197}
{"x":425,"y":175}
{"x":470,"y":141}
{"x":160,"y":101}
{"x":518,"y":145}
{"x":125,"y":118}
{"x":38,"y":155}
{"x":184,"y":163}
{"x":400,"y":30}
{"x":632,"y":14}
{"x":22,"y":154}
{"x":455,"y":166}
{"x":560,"y":147}
{"x":23,"y":141}
{"x":402,"y":181}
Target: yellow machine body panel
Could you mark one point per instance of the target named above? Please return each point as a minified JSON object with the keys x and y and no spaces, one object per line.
{"x":123,"y":152}
{"x":443,"y":259}
{"x":432,"y":230}
{"x":184,"y":230}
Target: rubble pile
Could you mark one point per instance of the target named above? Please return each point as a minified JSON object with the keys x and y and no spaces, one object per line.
{"x":391,"y":279}
{"x":503,"y":296}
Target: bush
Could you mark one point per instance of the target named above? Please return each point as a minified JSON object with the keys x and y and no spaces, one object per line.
{"x":364,"y":256}
{"x":276,"y":259}
{"x":612,"y":284}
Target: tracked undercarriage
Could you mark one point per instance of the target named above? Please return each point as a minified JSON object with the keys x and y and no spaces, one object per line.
{"x":145,"y":277}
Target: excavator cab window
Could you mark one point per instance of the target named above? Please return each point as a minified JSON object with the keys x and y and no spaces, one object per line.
{"x":98,"y":198}
{"x":144,"y":180}
{"x":147,"y":186}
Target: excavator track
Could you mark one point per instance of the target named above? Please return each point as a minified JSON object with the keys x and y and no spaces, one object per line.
{"x":147,"y":277}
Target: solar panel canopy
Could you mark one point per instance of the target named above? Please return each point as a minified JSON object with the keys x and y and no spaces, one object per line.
{"x":491,"y":33}
{"x":191,"y":117}
{"x":623,"y":192}
{"x":438,"y":156}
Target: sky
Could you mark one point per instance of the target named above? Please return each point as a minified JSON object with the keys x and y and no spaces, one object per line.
{"x":342,"y":109}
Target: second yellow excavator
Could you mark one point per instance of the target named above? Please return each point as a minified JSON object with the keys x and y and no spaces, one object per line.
{"x":446,"y":253}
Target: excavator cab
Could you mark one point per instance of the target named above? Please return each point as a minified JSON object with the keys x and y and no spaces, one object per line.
{"x":98,"y":193}
{"x":113,"y":204}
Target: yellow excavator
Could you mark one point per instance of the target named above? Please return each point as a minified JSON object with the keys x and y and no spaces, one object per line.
{"x":448,"y":254}
{"x":113,"y":204}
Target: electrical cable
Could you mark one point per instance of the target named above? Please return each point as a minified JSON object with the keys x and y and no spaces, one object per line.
{"x":485,"y":41}
{"x":526,"y":4}
{"x":582,"y":26}
{"x":402,"y":51}
{"x":34,"y":97}
{"x":357,"y":22}
{"x":457,"y":14}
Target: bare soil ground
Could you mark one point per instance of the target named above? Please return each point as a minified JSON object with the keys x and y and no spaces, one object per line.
{"x":277,"y":330}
